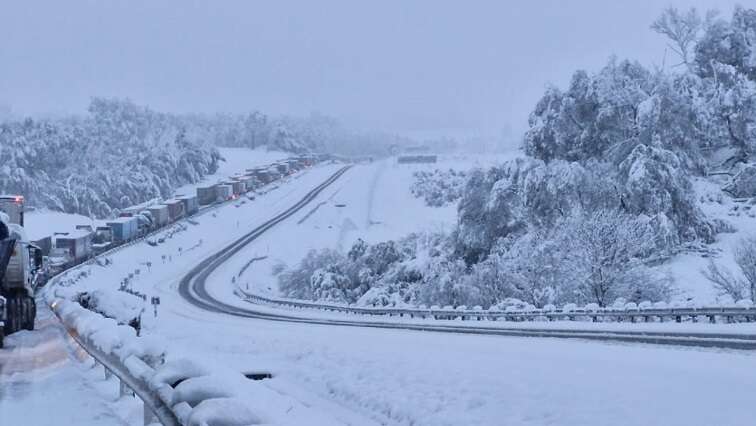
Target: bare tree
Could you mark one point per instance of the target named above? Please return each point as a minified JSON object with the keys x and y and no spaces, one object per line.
{"x":728,"y":283}
{"x":681,"y":28}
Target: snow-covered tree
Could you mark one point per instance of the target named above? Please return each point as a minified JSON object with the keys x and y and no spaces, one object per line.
{"x":593,"y":115}
{"x":729,"y":43}
{"x":655,"y":183}
{"x":682,"y":29}
{"x":603,"y":251}
{"x":726,"y":282}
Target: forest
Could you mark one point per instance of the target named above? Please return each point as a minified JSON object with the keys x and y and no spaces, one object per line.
{"x":120,"y":154}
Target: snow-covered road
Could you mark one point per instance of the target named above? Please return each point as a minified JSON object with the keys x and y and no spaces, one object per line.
{"x":45,"y":379}
{"x":362,"y":375}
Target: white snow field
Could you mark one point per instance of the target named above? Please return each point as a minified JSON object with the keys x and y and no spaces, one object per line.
{"x":357,"y":376}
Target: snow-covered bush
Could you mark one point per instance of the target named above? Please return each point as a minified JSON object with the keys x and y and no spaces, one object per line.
{"x":297,"y":282}
{"x":438,"y":187}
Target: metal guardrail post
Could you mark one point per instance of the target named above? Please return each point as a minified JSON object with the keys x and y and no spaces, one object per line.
{"x":124,"y":390}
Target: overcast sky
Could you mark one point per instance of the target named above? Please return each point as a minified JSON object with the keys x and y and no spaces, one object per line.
{"x":403,"y":66}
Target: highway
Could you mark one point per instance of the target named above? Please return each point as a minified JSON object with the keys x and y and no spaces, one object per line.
{"x":193,"y":288}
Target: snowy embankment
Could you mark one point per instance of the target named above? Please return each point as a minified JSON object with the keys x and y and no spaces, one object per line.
{"x":687,"y":268}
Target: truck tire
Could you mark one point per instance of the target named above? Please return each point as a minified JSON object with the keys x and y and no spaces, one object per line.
{"x":30,"y":313}
{"x":22,"y":311}
{"x":14,"y":317}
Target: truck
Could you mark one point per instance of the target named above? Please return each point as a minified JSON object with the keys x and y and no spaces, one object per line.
{"x":160,"y":215}
{"x":261,"y":175}
{"x":191,"y":206}
{"x":13,"y":206}
{"x":224,"y":192}
{"x":124,"y":228}
{"x":78,"y":244}
{"x":20,"y":264}
{"x":176,"y":209}
{"x":237,"y":187}
{"x":206,"y":195}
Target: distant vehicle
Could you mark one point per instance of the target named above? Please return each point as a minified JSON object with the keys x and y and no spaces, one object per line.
{"x":77,"y":243}
{"x":20,"y":262}
{"x":124,"y":228}
{"x":13,"y":206}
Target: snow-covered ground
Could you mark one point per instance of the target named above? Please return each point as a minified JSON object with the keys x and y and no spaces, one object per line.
{"x":402,"y":377}
{"x":687,"y":268}
{"x":360,"y":375}
{"x":46,"y":379}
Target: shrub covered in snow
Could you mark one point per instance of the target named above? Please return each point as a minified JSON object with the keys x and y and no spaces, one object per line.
{"x":438,"y":187}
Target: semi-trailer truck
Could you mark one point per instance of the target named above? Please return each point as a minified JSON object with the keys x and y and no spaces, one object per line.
{"x":20,"y":263}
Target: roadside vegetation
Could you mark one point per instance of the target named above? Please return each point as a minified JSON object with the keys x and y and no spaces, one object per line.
{"x":605,"y":191}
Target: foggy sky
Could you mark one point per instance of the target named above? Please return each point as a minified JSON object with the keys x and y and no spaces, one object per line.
{"x":401,"y":66}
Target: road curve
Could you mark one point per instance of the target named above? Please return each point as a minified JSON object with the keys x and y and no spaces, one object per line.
{"x":192,"y":288}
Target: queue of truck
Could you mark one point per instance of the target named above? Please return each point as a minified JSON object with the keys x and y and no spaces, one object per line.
{"x":25,"y":265}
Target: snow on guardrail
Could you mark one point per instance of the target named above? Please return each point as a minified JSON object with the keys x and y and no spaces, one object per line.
{"x":179,"y":392}
{"x":743,"y":310}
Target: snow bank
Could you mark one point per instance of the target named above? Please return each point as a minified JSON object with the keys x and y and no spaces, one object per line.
{"x":197,"y":389}
{"x":222,"y":412}
{"x":174,"y":371}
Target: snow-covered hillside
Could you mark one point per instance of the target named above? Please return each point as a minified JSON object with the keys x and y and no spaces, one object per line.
{"x":41,"y":223}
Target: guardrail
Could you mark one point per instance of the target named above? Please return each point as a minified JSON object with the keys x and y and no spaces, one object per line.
{"x":129,"y":383}
{"x":175,"y":393}
{"x":728,"y":314}
{"x":169,"y":393}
